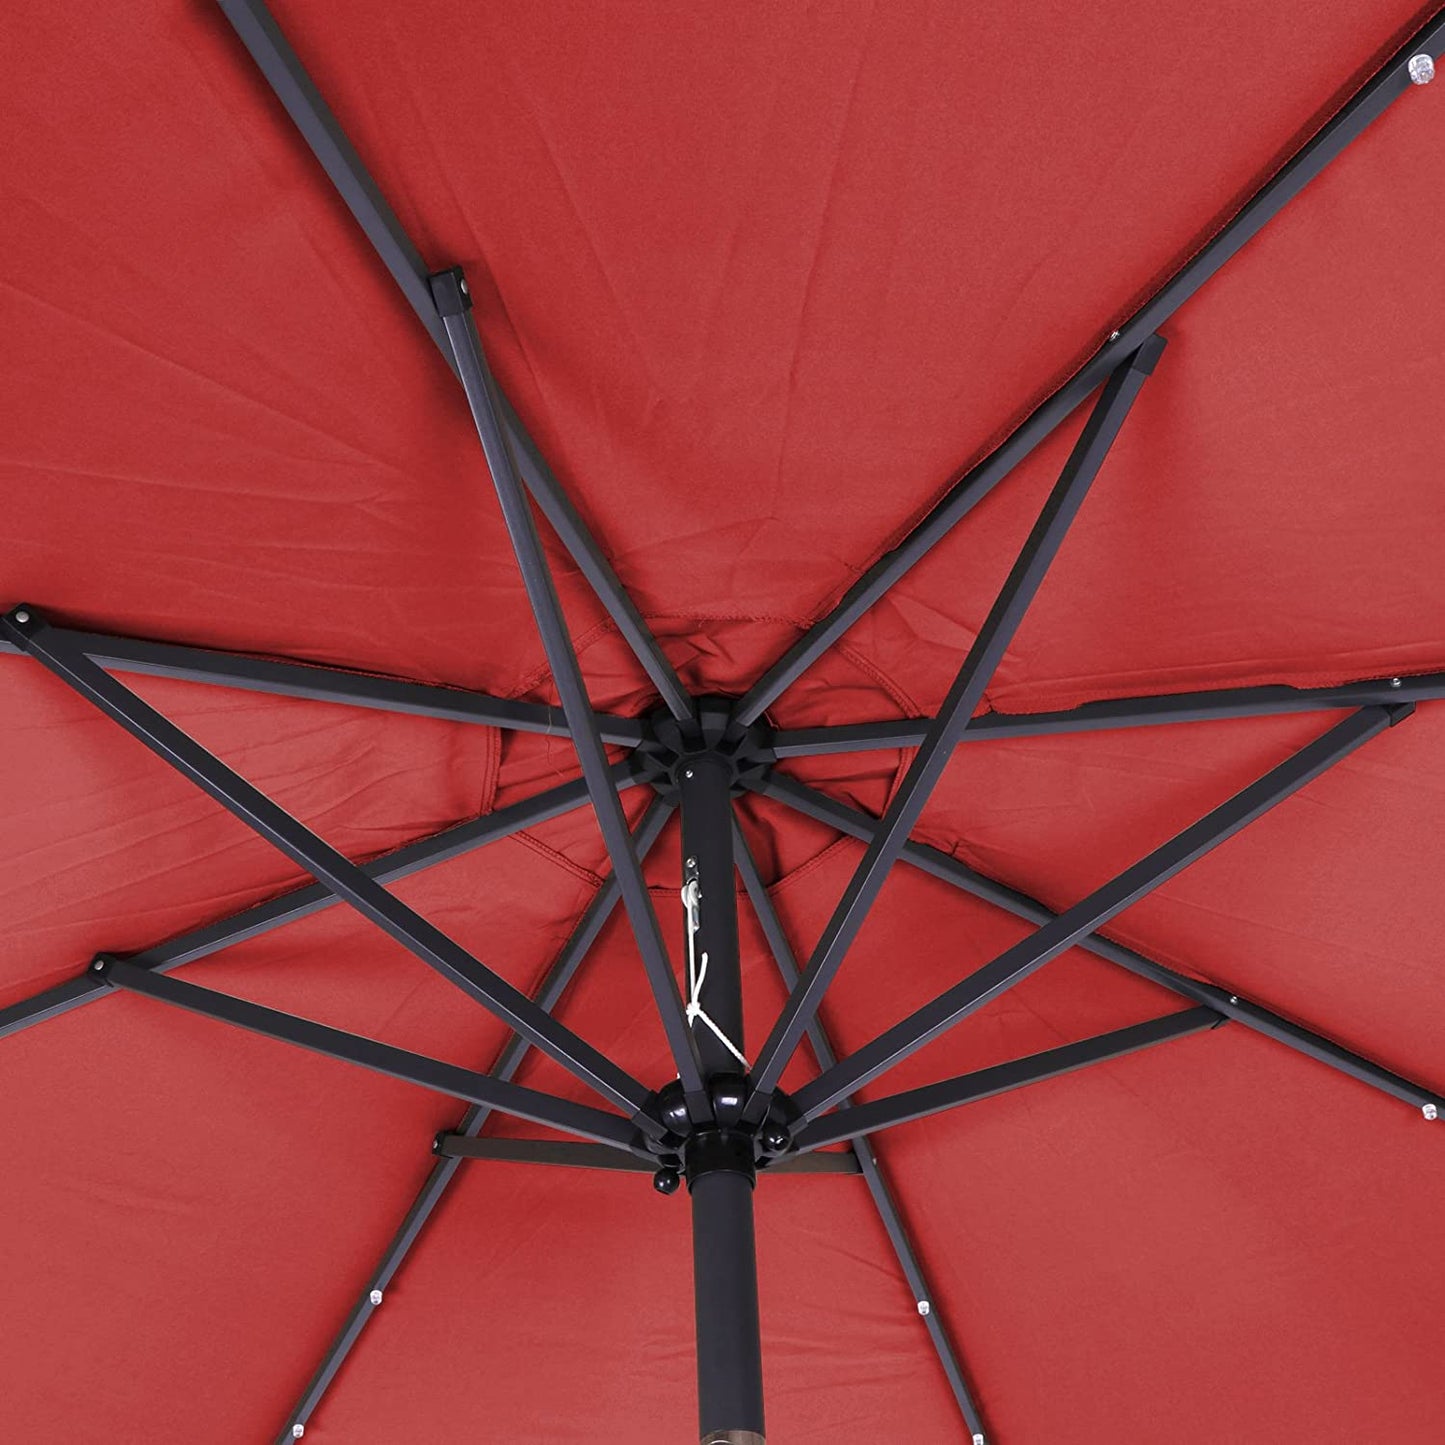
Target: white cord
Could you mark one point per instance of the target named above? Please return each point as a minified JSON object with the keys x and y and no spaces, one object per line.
{"x":691,"y":896}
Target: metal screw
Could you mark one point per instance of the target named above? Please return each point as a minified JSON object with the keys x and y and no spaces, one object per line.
{"x":297,"y":1431}
{"x":1422,"y":69}
{"x":376,"y":1296}
{"x":688,"y":773}
{"x":1430,"y":1111}
{"x":463,"y":287}
{"x":924,"y":1308}
{"x":691,"y":862}
{"x":98,"y":966}
{"x":1113,"y":336}
{"x":978,"y":1440}
{"x":1234,"y":998}
{"x":1395,"y":682}
{"x":22,"y":616}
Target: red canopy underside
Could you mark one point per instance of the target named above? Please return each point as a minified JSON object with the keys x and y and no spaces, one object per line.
{"x":761,"y":281}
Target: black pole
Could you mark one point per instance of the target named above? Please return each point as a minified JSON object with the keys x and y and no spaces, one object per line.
{"x":719,"y":1157}
{"x":704,"y":786}
{"x":725,"y":1286}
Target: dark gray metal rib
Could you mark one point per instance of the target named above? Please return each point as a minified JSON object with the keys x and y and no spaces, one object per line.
{"x":1127,"y":712}
{"x":1389,"y":84}
{"x":928,"y":765}
{"x":303,"y":902}
{"x":572,"y":1155}
{"x":326,"y":865}
{"x":1252,"y":1015}
{"x":1031,"y":953}
{"x":862,"y":1148}
{"x":559,"y":976}
{"x":454,"y":303}
{"x":501,"y":1095}
{"x":322,"y":132}
{"x":913,"y":1104}
{"x":329,"y":684}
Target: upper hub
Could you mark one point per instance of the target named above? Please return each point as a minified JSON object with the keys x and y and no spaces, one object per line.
{"x":670,"y":744}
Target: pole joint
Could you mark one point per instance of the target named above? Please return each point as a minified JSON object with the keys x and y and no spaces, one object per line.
{"x":718,"y":1151}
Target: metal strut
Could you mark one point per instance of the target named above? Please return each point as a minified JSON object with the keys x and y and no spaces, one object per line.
{"x":963,"y":698}
{"x":454,"y":305}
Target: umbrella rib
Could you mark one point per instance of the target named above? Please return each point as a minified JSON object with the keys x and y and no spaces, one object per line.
{"x":862,"y":1148}
{"x":454,"y":304}
{"x":921,"y":1103}
{"x":571,"y":1155}
{"x":301,"y":903}
{"x":1262,"y":1020}
{"x":328,"y":866}
{"x":1269,"y":700}
{"x":964,"y":696}
{"x":1370,"y":102}
{"x":322,"y":132}
{"x":288,"y":678}
{"x":563,"y":970}
{"x":1015,"y":964}
{"x":613,"y":1130}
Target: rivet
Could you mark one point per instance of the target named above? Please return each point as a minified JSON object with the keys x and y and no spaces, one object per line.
{"x":978,"y":1440}
{"x":1430,"y":1111}
{"x":1113,"y":336}
{"x":376,"y":1296}
{"x":98,"y":966}
{"x":1422,"y":69}
{"x":297,"y":1431}
{"x":1395,"y":682}
{"x":1234,"y":998}
{"x":463,"y":288}
{"x":688,"y":773}
{"x":925,"y":1308}
{"x":22,"y":616}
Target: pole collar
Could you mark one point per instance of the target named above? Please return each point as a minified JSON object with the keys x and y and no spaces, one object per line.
{"x":718,"y":1151}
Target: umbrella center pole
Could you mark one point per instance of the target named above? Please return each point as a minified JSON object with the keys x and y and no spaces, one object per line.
{"x":719,"y":1159}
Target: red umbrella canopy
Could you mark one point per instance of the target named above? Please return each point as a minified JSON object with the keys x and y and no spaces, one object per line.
{"x":763,"y":283}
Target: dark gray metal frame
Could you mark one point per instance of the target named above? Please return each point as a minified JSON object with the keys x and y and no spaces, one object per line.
{"x":724,"y":1127}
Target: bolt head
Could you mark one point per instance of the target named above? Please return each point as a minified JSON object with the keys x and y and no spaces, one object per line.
{"x":297,"y":1431}
{"x":1430,"y":1111}
{"x":978,"y":1440}
{"x":1234,"y":998}
{"x":925,"y":1308}
{"x":22,"y":616}
{"x":774,"y":1139}
{"x":376,"y":1296}
{"x":1422,"y":69}
{"x":1395,"y":682}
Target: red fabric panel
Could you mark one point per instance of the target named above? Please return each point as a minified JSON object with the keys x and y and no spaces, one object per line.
{"x":762,"y":280}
